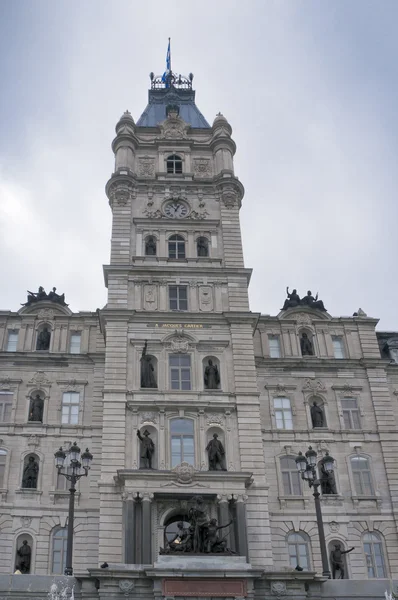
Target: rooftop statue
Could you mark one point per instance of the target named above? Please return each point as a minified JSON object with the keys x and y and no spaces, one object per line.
{"x":41,"y":294}
{"x":293,"y":300}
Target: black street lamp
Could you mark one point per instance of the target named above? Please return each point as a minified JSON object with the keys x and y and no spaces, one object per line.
{"x":74,"y":471}
{"x":306,"y":465}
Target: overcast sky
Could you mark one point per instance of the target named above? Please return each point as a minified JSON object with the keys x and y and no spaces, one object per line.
{"x":309,"y":87}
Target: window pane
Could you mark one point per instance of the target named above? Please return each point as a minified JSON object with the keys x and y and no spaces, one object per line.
{"x":286,"y":484}
{"x":277,"y":402}
{"x":185,"y":360}
{"x":296,"y":485}
{"x":75,"y":340}
{"x":12,"y":341}
{"x":181,"y":426}
{"x":279,"y":419}
{"x":2,"y":467}
{"x":338,"y":347}
{"x":274,"y":346}
{"x":288,"y":420}
{"x":355,"y":419}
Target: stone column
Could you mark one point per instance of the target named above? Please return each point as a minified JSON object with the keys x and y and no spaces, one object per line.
{"x":240,"y":526}
{"x":147,"y":528}
{"x":129,"y":527}
{"x":224,"y":518}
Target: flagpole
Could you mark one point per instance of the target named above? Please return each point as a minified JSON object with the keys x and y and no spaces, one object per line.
{"x":170,"y":54}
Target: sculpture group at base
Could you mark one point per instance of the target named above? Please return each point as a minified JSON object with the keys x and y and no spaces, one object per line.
{"x":41,"y":294}
{"x":202,"y":535}
{"x":293,"y":300}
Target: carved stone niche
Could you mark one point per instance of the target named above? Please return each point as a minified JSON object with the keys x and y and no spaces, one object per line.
{"x":146,"y":166}
{"x":205,"y":298}
{"x":150,"y":297}
{"x":202,"y":167}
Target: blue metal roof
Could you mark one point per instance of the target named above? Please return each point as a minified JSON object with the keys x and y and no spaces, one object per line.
{"x":158,"y":99}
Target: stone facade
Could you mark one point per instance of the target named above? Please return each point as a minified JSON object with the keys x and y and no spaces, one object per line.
{"x":177,"y":281}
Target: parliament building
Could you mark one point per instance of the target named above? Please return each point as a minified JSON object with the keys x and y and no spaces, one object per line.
{"x":193,"y":407}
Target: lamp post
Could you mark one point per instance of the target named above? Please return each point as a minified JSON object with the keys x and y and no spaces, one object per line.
{"x":306,"y":465}
{"x":76,"y":470}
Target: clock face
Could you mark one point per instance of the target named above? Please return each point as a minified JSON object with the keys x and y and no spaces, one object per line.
{"x":176,"y":209}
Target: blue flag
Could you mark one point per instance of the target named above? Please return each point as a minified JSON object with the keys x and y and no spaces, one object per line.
{"x":165,"y":76}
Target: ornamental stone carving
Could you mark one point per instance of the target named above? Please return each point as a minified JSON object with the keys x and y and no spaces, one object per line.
{"x":215,"y":420}
{"x":146,"y":166}
{"x":39,"y":379}
{"x":150,"y":297}
{"x":126,"y":586}
{"x":205,"y":298}
{"x":153,"y":214}
{"x":334,"y":527}
{"x":312,"y":385}
{"x":173,"y":128}
{"x":302,"y":319}
{"x":201,"y":167}
{"x":149,"y":417}
{"x":26,"y":521}
{"x":229,"y":197}
{"x":46,"y":314}
{"x":121,"y":192}
{"x":278,"y":588}
{"x":178,"y":344}
{"x":184,"y":472}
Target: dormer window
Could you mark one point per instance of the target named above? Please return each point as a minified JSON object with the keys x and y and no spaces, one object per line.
{"x":174,"y":164}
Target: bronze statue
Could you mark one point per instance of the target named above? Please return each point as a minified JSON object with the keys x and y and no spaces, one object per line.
{"x":36,"y":409}
{"x":148,"y":379}
{"x":216,"y":454}
{"x":336,"y":558}
{"x":42,"y":295}
{"x":199,"y":518}
{"x":150,"y":246}
{"x":147,"y":448}
{"x":30,"y":474}
{"x":202,"y":247}
{"x":317,"y":416}
{"x":43,"y":339}
{"x":292,"y":299}
{"x":24,"y":553}
{"x":328,"y":481}
{"x":306,"y":346}
{"x":212,"y":376}
{"x":212,"y":542}
{"x":312,"y":302}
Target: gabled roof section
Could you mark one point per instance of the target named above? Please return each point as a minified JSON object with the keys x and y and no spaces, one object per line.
{"x":167,"y":91}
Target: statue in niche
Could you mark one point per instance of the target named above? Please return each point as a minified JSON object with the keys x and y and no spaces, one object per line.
{"x":317,"y":416}
{"x":36,"y":409}
{"x":202,"y":247}
{"x":292,"y":299}
{"x":147,"y":449}
{"x":212,"y":376}
{"x":306,"y":346}
{"x":336,"y":558}
{"x":43,"y":339}
{"x":328,"y":482}
{"x":312,"y":302}
{"x":150,"y":246}
{"x":200,"y":536}
{"x":24,"y":554}
{"x":216,"y":454}
{"x":148,"y":379}
{"x":30,"y":474}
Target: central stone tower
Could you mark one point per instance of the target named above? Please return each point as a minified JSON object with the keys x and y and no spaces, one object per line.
{"x":179,"y":337}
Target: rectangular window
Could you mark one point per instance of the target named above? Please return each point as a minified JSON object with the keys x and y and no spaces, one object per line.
{"x":178,"y":297}
{"x":180,"y":371}
{"x":291,"y":483}
{"x":74,"y":344}
{"x":338,"y":346}
{"x":362,"y":476}
{"x":12,"y":341}
{"x":3,"y":458}
{"x":283,"y":413}
{"x":350,"y":413}
{"x":274,"y":346}
{"x":70,"y":408}
{"x":62,"y":483}
{"x":5,"y":407}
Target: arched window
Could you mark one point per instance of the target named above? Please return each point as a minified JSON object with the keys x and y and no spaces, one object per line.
{"x":174,"y":164}
{"x":374,"y":556}
{"x":3,"y":458}
{"x":202,"y":246}
{"x":182,"y":441}
{"x":176,"y":246}
{"x":150,"y":246}
{"x":299,"y":550}
{"x":59,"y":544}
{"x":290,"y":477}
{"x":362,"y":476}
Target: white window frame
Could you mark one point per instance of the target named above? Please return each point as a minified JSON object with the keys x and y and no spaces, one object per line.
{"x":283,"y":411}
{"x":176,"y":242}
{"x":274,"y":352}
{"x":179,"y":300}
{"x":3,"y":462}
{"x":12,"y":343}
{"x":349,"y":412}
{"x":3,"y":403}
{"x":69,"y":406}
{"x":358,"y":493}
{"x":339,"y":350}
{"x":62,"y":550}
{"x":73,"y":347}
{"x":179,"y":367}
{"x":304,"y":541}
{"x":181,"y":438}
{"x":281,"y":470}
{"x":371,"y":564}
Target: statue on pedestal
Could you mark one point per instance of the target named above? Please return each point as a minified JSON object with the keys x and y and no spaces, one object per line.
{"x":328,"y":482}
{"x":148,"y":379}
{"x":147,"y":448}
{"x":212,"y":376}
{"x":317,"y":416}
{"x":43,"y":339}
{"x":292,"y":299}
{"x":216,"y":454}
{"x":306,"y":346}
{"x":336,"y":558}
{"x":312,"y":302}
{"x":36,"y":409}
{"x":24,"y":553}
{"x":30,"y":474}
